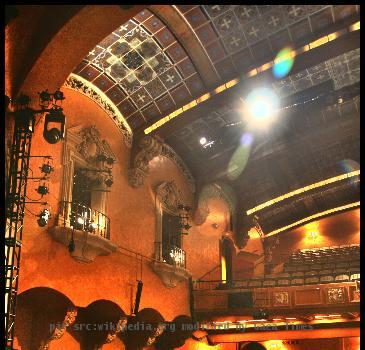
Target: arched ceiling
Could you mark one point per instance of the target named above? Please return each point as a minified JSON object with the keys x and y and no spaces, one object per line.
{"x":167,"y":55}
{"x":147,"y":66}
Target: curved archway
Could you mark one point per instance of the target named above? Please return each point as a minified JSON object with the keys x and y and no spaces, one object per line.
{"x":98,"y":323}
{"x":39,"y":310}
{"x":252,"y":346}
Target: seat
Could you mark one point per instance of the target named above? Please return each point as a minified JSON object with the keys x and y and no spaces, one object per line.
{"x":254,"y":284}
{"x":283,"y":282}
{"x":340,"y":271}
{"x":353,"y":270}
{"x":326,"y":279}
{"x":325,"y":272}
{"x":269,"y":283}
{"x":327,"y":266}
{"x":342,"y":278}
{"x":240,"y":284}
{"x":290,"y":269}
{"x":354,"y":263}
{"x":316,"y":267}
{"x":303,"y":268}
{"x":311,"y":273}
{"x":311,"y":280}
{"x":341,"y":265}
{"x":297,"y":281}
{"x":355,"y":277}
{"x":297,"y":274}
{"x":284,"y":274}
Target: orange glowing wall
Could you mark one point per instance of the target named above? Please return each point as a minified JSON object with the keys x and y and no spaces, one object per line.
{"x":343,"y":228}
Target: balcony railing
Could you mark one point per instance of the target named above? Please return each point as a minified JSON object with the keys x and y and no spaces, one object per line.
{"x":81,"y":217}
{"x":171,"y":254}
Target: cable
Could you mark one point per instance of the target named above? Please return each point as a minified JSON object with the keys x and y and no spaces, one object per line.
{"x":30,"y":211}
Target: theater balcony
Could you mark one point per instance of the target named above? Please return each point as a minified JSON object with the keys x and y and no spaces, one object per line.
{"x":326,"y":287}
{"x":85,"y":231}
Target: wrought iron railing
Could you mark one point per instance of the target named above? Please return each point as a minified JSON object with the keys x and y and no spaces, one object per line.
{"x":81,"y":217}
{"x":171,"y":254}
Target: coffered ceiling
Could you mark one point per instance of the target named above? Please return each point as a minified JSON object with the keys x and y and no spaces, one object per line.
{"x":168,"y":55}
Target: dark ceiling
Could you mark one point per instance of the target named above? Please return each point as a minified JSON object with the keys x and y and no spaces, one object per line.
{"x":157,"y":62}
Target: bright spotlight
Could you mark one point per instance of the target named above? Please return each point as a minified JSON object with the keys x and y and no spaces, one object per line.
{"x":80,"y":220}
{"x":261,"y":107}
{"x":203,"y":141}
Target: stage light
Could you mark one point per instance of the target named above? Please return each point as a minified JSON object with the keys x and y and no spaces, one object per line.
{"x":54,"y":135}
{"x":43,"y":217}
{"x":80,"y":220}
{"x":261,"y":106}
{"x":92,"y":226}
{"x":203,"y":141}
{"x":46,"y":168}
{"x":42,"y":190}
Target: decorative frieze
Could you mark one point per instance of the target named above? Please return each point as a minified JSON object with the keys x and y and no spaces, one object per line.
{"x":150,"y":147}
{"x":77,"y":83}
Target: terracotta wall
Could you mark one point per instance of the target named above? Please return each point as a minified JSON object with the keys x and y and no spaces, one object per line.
{"x":46,"y":263}
{"x":343,"y":228}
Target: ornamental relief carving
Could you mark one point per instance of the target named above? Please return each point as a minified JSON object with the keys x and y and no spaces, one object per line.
{"x":335,"y":295}
{"x":281,"y":299}
{"x":60,"y":328}
{"x":77,"y":83}
{"x":169,"y":195}
{"x":148,"y":148}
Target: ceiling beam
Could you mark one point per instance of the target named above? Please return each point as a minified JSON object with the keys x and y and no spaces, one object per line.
{"x":303,"y":61}
{"x":185,"y":34}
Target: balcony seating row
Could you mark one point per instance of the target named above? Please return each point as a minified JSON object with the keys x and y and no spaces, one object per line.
{"x":271,"y":281}
{"x":306,"y":266}
{"x":325,"y":254}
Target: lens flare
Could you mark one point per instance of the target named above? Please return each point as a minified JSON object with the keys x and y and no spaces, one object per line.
{"x":283,"y":63}
{"x":349,"y":165}
{"x":261,"y":107}
{"x":240,"y":157}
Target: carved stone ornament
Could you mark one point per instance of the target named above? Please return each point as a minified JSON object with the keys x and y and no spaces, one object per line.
{"x":77,"y":83}
{"x":169,"y":195}
{"x":60,"y":328}
{"x":87,"y":245}
{"x":335,"y":295}
{"x":118,"y":328}
{"x":148,"y":148}
{"x":281,"y":299}
{"x":169,"y":274}
{"x":92,"y":148}
{"x":214,"y":190}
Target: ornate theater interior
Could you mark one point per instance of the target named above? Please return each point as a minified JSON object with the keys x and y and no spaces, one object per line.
{"x":182,"y":177}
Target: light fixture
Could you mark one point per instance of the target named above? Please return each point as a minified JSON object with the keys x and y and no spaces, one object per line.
{"x":80,"y":220}
{"x":92,"y":226}
{"x":46,"y":168}
{"x":54,"y":135}
{"x":43,"y":217}
{"x":42,"y":189}
{"x":203,"y":141}
{"x":261,"y":106}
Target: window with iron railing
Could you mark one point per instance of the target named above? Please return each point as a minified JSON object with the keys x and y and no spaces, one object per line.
{"x":81,"y":217}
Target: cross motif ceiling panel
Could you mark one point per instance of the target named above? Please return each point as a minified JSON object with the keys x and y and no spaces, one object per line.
{"x":143,"y":69}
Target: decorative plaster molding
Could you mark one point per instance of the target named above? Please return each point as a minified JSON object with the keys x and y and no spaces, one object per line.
{"x":87,"y":245}
{"x":118,"y":328}
{"x":60,"y":328}
{"x":79,"y":84}
{"x":150,"y":147}
{"x":214,"y":190}
{"x":169,"y":152}
{"x":170,"y":275}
